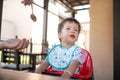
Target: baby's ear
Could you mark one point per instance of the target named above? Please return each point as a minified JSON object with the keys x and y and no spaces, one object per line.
{"x":59,"y":35}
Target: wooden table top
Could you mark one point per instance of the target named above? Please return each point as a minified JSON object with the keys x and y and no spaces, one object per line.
{"x":6,"y":74}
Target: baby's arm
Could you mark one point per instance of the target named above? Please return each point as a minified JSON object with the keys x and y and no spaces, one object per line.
{"x":42,"y":67}
{"x":71,"y":69}
{"x":77,"y":60}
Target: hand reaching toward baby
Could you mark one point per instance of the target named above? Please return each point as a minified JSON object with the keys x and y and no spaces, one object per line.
{"x":15,"y":44}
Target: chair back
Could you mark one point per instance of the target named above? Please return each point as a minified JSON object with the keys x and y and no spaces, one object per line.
{"x":86,"y":70}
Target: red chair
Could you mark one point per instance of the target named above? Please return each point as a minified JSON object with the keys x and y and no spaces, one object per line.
{"x":86,"y":70}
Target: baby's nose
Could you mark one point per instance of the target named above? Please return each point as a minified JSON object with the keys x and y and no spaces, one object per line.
{"x":72,"y":31}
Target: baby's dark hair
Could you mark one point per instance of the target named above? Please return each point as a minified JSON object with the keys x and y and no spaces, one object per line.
{"x":61,"y":25}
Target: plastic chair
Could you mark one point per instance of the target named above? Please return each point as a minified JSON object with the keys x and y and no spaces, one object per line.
{"x":86,"y":70}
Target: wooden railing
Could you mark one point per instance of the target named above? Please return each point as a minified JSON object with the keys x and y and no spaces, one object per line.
{"x":21,"y":60}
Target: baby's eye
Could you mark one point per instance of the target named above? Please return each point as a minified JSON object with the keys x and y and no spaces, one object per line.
{"x":76,"y":30}
{"x":67,"y":28}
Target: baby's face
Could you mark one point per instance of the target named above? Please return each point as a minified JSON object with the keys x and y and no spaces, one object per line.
{"x":69,"y":33}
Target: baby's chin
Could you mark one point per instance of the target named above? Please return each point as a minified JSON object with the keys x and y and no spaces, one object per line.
{"x":71,"y":42}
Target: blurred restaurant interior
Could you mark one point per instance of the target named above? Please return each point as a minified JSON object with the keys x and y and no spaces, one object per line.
{"x":99,"y":34}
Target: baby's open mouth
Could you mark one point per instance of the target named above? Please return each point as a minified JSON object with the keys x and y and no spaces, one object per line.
{"x":72,"y":36}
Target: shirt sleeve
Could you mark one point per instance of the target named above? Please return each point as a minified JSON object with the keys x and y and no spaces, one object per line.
{"x":78,"y":55}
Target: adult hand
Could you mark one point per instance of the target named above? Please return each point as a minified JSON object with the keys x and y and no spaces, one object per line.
{"x":27,"y":2}
{"x":10,"y":43}
{"x":21,"y":44}
{"x":15,"y":44}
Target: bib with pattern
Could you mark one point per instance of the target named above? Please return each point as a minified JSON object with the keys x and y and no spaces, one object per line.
{"x":59,"y":57}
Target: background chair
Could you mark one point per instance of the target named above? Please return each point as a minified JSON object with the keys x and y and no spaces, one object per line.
{"x":15,"y":60}
{"x":86,"y":70}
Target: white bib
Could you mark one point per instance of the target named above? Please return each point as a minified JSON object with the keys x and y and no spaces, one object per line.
{"x":59,"y":57}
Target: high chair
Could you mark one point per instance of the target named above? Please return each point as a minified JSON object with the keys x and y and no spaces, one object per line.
{"x":86,"y":70}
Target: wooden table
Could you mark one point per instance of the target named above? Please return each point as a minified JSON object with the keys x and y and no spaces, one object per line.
{"x":20,"y":75}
